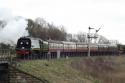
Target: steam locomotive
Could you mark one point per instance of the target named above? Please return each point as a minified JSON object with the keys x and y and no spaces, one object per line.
{"x":27,"y":46}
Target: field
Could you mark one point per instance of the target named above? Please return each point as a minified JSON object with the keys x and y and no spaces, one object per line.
{"x":105,"y":69}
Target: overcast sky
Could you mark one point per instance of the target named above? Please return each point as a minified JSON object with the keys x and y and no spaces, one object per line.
{"x":75,"y":15}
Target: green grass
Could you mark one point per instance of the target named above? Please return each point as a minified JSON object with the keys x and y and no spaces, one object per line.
{"x":54,"y":71}
{"x":78,"y":70}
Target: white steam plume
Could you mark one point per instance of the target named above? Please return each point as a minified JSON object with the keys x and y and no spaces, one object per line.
{"x":11,"y":27}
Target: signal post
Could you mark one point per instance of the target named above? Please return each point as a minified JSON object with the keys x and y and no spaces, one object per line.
{"x":89,"y":37}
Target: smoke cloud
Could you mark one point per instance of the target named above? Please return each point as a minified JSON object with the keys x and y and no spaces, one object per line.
{"x":11,"y":27}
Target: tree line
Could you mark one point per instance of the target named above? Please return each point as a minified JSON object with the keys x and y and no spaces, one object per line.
{"x":40,"y":28}
{"x":44,"y":30}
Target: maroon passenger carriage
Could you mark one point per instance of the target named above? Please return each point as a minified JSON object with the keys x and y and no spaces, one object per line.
{"x":81,"y":49}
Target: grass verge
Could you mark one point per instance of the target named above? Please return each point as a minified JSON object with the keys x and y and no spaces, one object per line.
{"x":104,"y":69}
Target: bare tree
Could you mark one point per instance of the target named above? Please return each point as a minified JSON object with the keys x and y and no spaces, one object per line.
{"x":82,"y":37}
{"x":41,"y":29}
{"x":41,"y":22}
{"x":103,"y":40}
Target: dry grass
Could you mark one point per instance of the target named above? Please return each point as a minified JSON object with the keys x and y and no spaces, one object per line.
{"x":105,"y":69}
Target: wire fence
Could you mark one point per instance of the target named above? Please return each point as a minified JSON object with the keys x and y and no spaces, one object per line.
{"x":7,"y":55}
{"x":10,"y":55}
{"x":59,"y":54}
